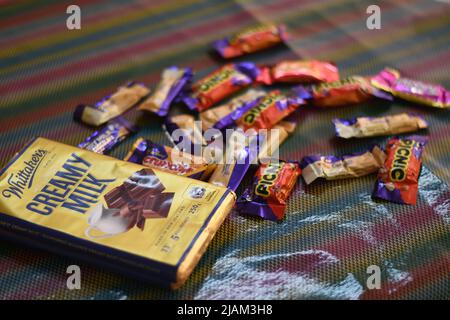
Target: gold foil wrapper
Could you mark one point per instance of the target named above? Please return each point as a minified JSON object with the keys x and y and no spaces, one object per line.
{"x":380,"y":126}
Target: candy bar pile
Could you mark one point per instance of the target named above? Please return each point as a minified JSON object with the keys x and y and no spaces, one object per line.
{"x":174,"y":193}
{"x":231,"y":97}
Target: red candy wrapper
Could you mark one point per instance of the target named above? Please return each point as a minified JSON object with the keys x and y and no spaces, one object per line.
{"x":269,"y":110}
{"x":271,"y":187}
{"x":251,"y":40}
{"x":398,"y":178}
{"x":220,"y":84}
{"x":299,"y":71}
{"x":351,"y":90}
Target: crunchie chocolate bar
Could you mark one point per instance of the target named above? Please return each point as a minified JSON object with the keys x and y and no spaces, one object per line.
{"x":174,"y":80}
{"x":272,"y":185}
{"x":105,"y":139}
{"x":299,"y":71}
{"x":347,"y":91}
{"x":164,"y":158}
{"x":220,"y":84}
{"x":112,"y":105}
{"x":398,"y":178}
{"x":379,"y":126}
{"x":251,"y":40}
{"x":350,"y":166}
{"x":428,"y":94}
{"x":142,"y":222}
{"x":224,"y":116}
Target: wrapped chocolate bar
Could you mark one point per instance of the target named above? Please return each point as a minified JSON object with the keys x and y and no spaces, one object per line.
{"x":267,"y":196}
{"x":379,"y":126}
{"x":105,"y":139}
{"x":351,"y":166}
{"x":142,"y":222}
{"x":251,"y":40}
{"x":167,"y":159}
{"x":275,"y":137}
{"x":112,"y":105}
{"x":223,"y":116}
{"x":268,"y":111}
{"x":429,"y":94}
{"x":173,"y":81}
{"x":347,"y":91}
{"x":220,"y":84}
{"x":184,"y":132}
{"x":399,"y":176}
{"x":240,"y":153}
{"x":300,"y":71}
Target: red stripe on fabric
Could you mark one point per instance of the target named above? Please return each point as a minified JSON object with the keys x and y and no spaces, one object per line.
{"x":44,"y":286}
{"x":423,"y":276}
{"x":17,"y":262}
{"x":405,"y":222}
{"x":429,"y":63}
{"x":351,"y":37}
{"x":41,"y":33}
{"x":125,"y":53}
{"x":27,"y":17}
{"x":62,"y":106}
{"x":349,"y":246}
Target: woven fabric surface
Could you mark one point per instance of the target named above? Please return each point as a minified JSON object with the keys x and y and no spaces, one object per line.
{"x":332,"y":231}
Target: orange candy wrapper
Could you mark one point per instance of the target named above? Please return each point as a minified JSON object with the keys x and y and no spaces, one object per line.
{"x":251,"y":40}
{"x":300,"y":71}
{"x":270,"y":109}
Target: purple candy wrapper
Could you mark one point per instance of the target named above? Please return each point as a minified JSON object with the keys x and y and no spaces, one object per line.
{"x":174,"y":80}
{"x":105,"y":139}
{"x":412,"y":90}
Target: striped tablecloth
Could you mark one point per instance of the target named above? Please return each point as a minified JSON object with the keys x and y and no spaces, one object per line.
{"x":332,"y":231}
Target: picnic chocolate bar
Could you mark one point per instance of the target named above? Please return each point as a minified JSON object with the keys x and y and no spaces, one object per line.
{"x":398,"y":178}
{"x":220,"y":84}
{"x":223,"y":116}
{"x":298,"y":71}
{"x":143,"y":222}
{"x":346,"y":91}
{"x":272,"y":185}
{"x":268,"y":111}
{"x":250,"y":40}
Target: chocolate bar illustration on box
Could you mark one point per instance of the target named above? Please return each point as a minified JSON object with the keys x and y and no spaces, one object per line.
{"x":139,"y":198}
